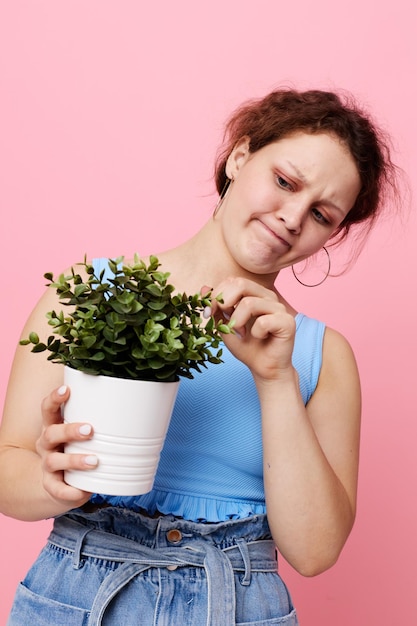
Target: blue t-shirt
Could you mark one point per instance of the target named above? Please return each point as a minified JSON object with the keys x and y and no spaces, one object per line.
{"x":211,"y":465}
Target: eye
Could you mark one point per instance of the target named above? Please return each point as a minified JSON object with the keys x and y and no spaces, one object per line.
{"x":283,"y":183}
{"x":319,"y":216}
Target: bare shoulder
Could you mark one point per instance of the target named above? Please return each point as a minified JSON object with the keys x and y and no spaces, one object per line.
{"x":337,"y":353}
{"x":339,"y":377}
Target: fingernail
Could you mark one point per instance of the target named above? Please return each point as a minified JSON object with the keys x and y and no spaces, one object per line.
{"x":91,"y":460}
{"x":62,"y":390}
{"x":85,"y":429}
{"x":207,"y":312}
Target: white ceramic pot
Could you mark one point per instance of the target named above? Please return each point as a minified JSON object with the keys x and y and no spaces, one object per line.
{"x":130,"y":420}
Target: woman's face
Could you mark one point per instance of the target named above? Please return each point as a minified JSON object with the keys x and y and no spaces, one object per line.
{"x":286,"y":199}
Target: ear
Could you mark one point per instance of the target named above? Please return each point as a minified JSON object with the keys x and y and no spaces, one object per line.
{"x":237,"y":158}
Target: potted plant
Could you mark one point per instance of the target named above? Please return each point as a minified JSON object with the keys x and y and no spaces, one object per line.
{"x":125,"y":335}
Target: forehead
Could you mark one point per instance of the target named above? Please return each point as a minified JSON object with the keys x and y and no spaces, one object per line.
{"x":303,"y":140}
{"x":311,"y":153}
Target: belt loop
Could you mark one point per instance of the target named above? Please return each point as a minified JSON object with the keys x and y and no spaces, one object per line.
{"x":76,"y":559}
{"x":244,"y":551}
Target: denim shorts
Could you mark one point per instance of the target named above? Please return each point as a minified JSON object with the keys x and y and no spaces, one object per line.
{"x":116,"y":567}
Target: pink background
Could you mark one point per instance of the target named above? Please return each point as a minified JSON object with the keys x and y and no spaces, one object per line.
{"x":110,"y":117}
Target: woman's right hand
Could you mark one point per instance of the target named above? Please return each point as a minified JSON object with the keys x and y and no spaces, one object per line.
{"x":50,"y":447}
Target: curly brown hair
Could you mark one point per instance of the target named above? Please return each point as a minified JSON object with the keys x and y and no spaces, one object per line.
{"x":287,"y":111}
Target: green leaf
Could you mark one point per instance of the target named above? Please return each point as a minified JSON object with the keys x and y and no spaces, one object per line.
{"x":33,"y":338}
{"x":154,"y":290}
{"x":39,"y":347}
{"x":210,"y":325}
{"x":161,"y":277}
{"x":89,"y":341}
{"x":157,"y":316}
{"x":80,"y":289}
{"x":98,"y":356}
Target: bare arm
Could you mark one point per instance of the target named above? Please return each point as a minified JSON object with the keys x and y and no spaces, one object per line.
{"x":311,"y":460}
{"x":310,"y":453}
{"x":32,"y":433}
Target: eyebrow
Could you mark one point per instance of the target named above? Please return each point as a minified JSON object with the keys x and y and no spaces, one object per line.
{"x":303,"y":179}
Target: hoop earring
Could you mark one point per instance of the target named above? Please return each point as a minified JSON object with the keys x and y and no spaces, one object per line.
{"x":222,"y":195}
{"x":322,"y":280}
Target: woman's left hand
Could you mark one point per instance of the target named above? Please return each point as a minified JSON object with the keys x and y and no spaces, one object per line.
{"x":264,"y":330}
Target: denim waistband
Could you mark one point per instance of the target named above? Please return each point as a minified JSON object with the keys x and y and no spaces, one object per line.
{"x":221,"y":549}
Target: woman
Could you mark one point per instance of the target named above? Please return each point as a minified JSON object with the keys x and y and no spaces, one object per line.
{"x":262,"y":451}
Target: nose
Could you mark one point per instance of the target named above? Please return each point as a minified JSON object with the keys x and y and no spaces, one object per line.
{"x":292,"y":215}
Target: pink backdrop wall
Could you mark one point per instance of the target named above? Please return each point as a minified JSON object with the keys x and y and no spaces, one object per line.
{"x":110,"y":117}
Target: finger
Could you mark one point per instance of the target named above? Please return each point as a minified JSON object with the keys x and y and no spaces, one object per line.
{"x":51,"y":405}
{"x":228,"y":294}
{"x":232,"y":290}
{"x":282,"y":327}
{"x":56,"y":462}
{"x":208,"y":310}
{"x":250,"y":309}
{"x":57,"y":435}
{"x":205,"y":290}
